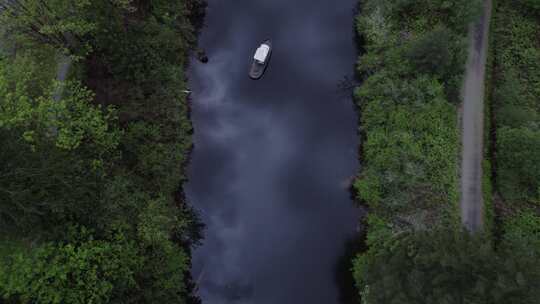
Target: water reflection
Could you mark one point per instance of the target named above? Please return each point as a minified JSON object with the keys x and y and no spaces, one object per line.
{"x":272,"y":158}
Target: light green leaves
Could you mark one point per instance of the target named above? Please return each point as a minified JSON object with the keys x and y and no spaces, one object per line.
{"x":61,"y":23}
{"x":86,"y":271}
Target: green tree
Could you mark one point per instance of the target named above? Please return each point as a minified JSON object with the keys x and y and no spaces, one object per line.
{"x":446,"y":267}
{"x":104,"y":149}
{"x":57,"y":149}
{"x":80,"y":271}
{"x":61,"y":23}
{"x":535,"y":4}
{"x":432,"y":52}
{"x":523,"y":227}
{"x":518,"y":159}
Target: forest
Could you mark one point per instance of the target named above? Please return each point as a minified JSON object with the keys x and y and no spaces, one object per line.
{"x":95,"y":133}
{"x":515,"y":103}
{"x":412,"y":68}
{"x":94,"y":136}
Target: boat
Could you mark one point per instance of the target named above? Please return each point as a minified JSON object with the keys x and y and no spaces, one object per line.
{"x":261,"y":59}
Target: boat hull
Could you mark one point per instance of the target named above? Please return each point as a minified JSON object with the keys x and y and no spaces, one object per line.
{"x":257,"y":69}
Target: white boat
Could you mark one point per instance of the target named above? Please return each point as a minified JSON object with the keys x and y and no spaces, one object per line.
{"x":261,"y":59}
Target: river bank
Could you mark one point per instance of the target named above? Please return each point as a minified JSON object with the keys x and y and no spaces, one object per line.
{"x":412,"y":70}
{"x":417,"y":248}
{"x":410,"y":137}
{"x":108,"y":179}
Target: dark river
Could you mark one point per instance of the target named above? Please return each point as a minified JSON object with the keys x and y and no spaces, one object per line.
{"x":273,"y":158}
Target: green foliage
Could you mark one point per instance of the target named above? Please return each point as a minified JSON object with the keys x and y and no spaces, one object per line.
{"x":410,"y":146}
{"x":519,"y":163}
{"x":57,"y":147}
{"x":412,"y":68}
{"x":31,"y":103}
{"x":166,"y":262}
{"x":422,"y":15}
{"x":431,"y":53}
{"x":534,"y":4}
{"x":153,"y":152}
{"x":440,"y":53}
{"x":516,"y":116}
{"x":442,"y":266}
{"x":103,"y":149}
{"x":60,"y":23}
{"x":81,"y":271}
{"x":379,"y":231}
{"x":487,"y":194}
{"x":41,"y":190}
{"x":524,"y":227}
{"x":516,"y":101}
{"x":163,"y":274}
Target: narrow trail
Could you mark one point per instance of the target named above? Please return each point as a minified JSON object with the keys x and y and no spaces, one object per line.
{"x":472,"y":204}
{"x":64,"y":64}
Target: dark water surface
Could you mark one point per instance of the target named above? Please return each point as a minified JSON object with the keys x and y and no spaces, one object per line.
{"x":273,"y":158}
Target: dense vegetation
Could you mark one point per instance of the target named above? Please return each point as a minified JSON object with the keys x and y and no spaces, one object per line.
{"x":94,"y":133}
{"x":412,"y":69}
{"x":516,"y":101}
{"x":443,"y":266}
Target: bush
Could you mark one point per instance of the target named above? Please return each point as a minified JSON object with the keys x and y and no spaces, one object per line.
{"x":519,"y":164}
{"x":81,"y":271}
{"x":431,"y":53}
{"x":534,"y":4}
{"x":516,"y":101}
{"x":410,"y":147}
{"x":104,"y":150}
{"x":443,"y":266}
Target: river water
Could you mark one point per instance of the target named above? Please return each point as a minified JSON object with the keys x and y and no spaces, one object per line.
{"x":273,"y":158}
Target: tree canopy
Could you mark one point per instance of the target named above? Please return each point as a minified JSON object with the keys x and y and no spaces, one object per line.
{"x":94,"y":134}
{"x":443,"y":266}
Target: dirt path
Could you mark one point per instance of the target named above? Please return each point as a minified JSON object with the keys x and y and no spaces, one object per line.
{"x":63,"y":66}
{"x":473,"y":124}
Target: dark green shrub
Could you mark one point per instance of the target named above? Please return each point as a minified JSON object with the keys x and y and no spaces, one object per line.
{"x":518,"y":160}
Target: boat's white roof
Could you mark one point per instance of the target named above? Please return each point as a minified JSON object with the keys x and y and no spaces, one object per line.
{"x":262,"y":53}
